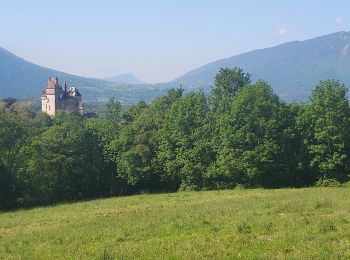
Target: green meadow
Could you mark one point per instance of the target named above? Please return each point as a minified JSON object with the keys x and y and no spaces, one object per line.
{"x":256,"y":223}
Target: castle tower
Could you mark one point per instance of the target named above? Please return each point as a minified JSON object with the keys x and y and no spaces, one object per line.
{"x":49,"y":97}
{"x":54,"y":98}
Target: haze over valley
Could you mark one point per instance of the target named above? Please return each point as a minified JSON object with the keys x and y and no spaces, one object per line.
{"x":292,"y":69}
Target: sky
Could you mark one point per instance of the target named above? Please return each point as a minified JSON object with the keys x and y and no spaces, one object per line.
{"x":157,"y":40}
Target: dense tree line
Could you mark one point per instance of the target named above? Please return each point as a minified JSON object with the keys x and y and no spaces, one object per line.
{"x":241,"y":134}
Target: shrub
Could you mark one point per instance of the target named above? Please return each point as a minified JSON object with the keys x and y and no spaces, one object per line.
{"x":346,"y":184}
{"x":327,"y":183}
{"x":188,"y":187}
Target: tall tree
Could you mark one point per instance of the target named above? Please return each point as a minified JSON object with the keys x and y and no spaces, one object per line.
{"x":113,"y":110}
{"x":226,"y":84}
{"x":252,"y":150}
{"x":63,"y":163}
{"x":14,"y":133}
{"x":136,"y":147}
{"x":325,"y":127}
{"x":185,"y":149}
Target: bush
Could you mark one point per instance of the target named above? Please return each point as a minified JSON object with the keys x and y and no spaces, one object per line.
{"x":188,"y":187}
{"x":346,"y":184}
{"x":327,"y":183}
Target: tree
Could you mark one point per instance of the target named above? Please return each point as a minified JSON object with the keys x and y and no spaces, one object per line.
{"x":324,"y":124}
{"x":14,"y":132}
{"x":113,"y":110}
{"x":226,"y":84}
{"x":133,"y":112}
{"x":252,"y":134}
{"x":104,"y":132}
{"x":66,"y":162}
{"x":136,"y":147}
{"x":8,"y":187}
{"x":185,"y":149}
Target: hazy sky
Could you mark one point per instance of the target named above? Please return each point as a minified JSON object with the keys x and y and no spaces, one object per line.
{"x":157,"y":40}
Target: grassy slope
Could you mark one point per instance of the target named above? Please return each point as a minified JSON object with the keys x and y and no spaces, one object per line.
{"x":292,"y":223}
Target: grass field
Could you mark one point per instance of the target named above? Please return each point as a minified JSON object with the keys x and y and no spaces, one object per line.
{"x":285,"y":223}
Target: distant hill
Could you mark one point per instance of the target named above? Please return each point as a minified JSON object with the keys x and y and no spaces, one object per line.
{"x":126,"y":78}
{"x":292,"y":68}
{"x":22,"y":79}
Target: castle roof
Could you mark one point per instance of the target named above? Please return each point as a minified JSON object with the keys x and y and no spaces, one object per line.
{"x":52,"y":83}
{"x":77,"y":93}
{"x":64,"y":93}
{"x":73,"y":92}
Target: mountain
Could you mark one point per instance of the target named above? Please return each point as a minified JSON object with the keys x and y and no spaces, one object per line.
{"x":292,"y":68}
{"x":126,"y":78}
{"x":22,"y":79}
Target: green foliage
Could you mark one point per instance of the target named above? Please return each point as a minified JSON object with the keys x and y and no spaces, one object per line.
{"x":253,"y":136}
{"x":226,"y":84}
{"x":136,"y":146}
{"x":324,"y":124}
{"x":184,"y":150}
{"x":346,"y":184}
{"x":73,"y":167}
{"x":133,"y":112}
{"x":113,"y":110}
{"x":7,"y":188}
{"x":14,"y":133}
{"x":327,"y":183}
{"x":241,"y":135}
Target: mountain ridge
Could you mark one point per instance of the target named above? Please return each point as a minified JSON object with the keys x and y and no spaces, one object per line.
{"x":23,"y":79}
{"x":292,"y":69}
{"x":277,"y":65}
{"x":126,"y":78}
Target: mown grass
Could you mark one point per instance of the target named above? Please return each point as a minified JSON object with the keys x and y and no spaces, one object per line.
{"x":263,"y":224}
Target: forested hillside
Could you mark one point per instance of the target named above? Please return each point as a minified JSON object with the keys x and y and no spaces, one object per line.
{"x":241,"y":134}
{"x":292,"y":68}
{"x":22,"y":79}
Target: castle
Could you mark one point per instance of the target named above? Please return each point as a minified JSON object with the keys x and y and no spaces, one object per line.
{"x":54,"y":98}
